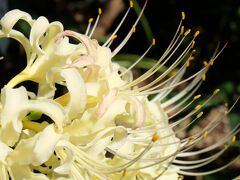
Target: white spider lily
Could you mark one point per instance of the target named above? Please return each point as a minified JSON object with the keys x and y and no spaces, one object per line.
{"x":105,"y":126}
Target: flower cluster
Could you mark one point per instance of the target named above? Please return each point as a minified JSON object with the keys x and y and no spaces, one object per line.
{"x":104,"y":126}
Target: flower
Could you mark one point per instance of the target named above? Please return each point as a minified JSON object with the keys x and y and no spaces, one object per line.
{"x":105,"y":126}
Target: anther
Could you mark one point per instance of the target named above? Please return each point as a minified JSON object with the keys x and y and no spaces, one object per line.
{"x":182,"y":30}
{"x":134,"y":29}
{"x":124,"y":172}
{"x":187,"y":32}
{"x":190,"y":139}
{"x":205,"y":63}
{"x":114,"y":36}
{"x":197,"y":96}
{"x":183,"y":15}
{"x":131,"y":4}
{"x":204,"y":77}
{"x":155,"y":137}
{"x":199,"y":114}
{"x":205,"y":134}
{"x":198,"y":107}
{"x":234,"y":139}
{"x":90,"y":20}
{"x":153,"y":41}
{"x":193,"y":43}
{"x":196,"y":33}
{"x":216,"y":91}
{"x":99,"y":11}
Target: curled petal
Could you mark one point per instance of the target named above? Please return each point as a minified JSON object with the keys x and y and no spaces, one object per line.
{"x":107,"y":100}
{"x":81,"y":62}
{"x":12,"y":17}
{"x":37,"y":149}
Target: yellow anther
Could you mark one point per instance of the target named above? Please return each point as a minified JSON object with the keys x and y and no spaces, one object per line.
{"x":90,"y":20}
{"x":199,"y":114}
{"x":134,"y":29}
{"x":182,"y":29}
{"x":114,"y":37}
{"x":234,"y":139}
{"x":187,"y":63}
{"x":197,"y":96}
{"x":190,"y":139}
{"x":226,"y":104}
{"x":183,"y":15}
{"x":194,"y":51}
{"x":196,"y":33}
{"x":191,"y":58}
{"x":216,"y":91}
{"x":124,"y":173}
{"x":205,"y":134}
{"x":198,"y":107}
{"x":187,"y":32}
{"x":99,"y":11}
{"x":204,"y":77}
{"x":131,"y":4}
{"x":180,"y":177}
{"x":205,"y":63}
{"x":153,"y":41}
{"x":155,"y":137}
{"x":193,"y":43}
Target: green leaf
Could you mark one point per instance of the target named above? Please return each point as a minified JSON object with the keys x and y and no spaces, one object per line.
{"x":143,"y":20}
{"x":127,"y":60}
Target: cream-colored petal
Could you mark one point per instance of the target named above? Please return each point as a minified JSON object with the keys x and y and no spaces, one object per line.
{"x":77,"y":91}
{"x":11,"y":18}
{"x":37,"y":149}
{"x":4,"y":151}
{"x":39,"y":27}
{"x":24,"y":172}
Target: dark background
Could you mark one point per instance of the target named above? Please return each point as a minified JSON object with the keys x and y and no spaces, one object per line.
{"x":217,"y":20}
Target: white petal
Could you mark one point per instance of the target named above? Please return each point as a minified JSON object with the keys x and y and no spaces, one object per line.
{"x":4,"y":151}
{"x":24,"y":172}
{"x":37,"y":149}
{"x":67,"y":162}
{"x":77,"y":91}
{"x":39,"y":27}
{"x":12,"y":17}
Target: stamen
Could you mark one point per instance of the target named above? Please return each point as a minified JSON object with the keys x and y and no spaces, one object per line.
{"x":96,"y":22}
{"x":183,"y":15}
{"x":205,"y":134}
{"x":196,"y":33}
{"x":187,"y":32}
{"x":89,"y":25}
{"x":131,"y":4}
{"x":205,"y":63}
{"x":216,"y":91}
{"x":197,"y":96}
{"x":182,"y":30}
{"x":204,"y":77}
{"x":113,"y":38}
{"x":134,"y":29}
{"x":125,"y":40}
{"x":120,"y":24}
{"x":139,"y":59}
{"x":155,"y":137}
{"x":233,"y":139}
